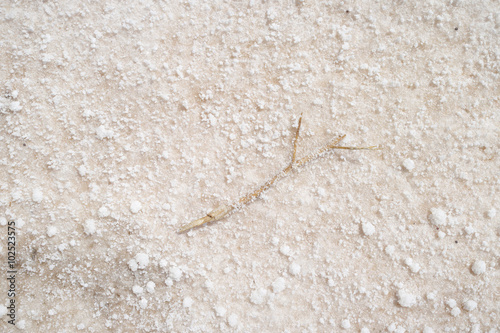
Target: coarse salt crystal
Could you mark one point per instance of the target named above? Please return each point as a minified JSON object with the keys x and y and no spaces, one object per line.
{"x":345,"y":324}
{"x":220,"y":311}
{"x":470,"y":305}
{"x":137,"y":290}
{"x":103,"y":133}
{"x":405,"y":299}
{"x":175,"y":273}
{"x":368,"y":228}
{"x":278,"y":285}
{"x":89,"y":227}
{"x":258,"y":296}
{"x":135,"y":207}
{"x":491,"y":213}
{"x":414,"y":267}
{"x":103,"y":211}
{"x":3,"y":310}
{"x":285,"y":250}
{"x":132,"y":264}
{"x":451,"y":303}
{"x":37,"y":195}
{"x":479,"y":267}
{"x":150,"y":287}
{"x":437,"y":216}
{"x":294,"y":268}
{"x":408,"y":164}
{"x":15,"y":106}
{"x":232,"y":320}
{"x":142,"y":260}
{"x":187,"y":302}
{"x":51,"y":231}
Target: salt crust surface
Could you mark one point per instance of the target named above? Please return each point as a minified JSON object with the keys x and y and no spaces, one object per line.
{"x":121,"y":122}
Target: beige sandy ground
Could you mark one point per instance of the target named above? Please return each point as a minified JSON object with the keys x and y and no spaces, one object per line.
{"x":121,"y":122}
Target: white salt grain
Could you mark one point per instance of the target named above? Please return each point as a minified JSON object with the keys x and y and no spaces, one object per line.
{"x":103,"y":133}
{"x":89,"y":227}
{"x":294,"y":268}
{"x":345,"y":324}
{"x":137,"y":290}
{"x":408,"y":164}
{"x":365,"y":330}
{"x":142,"y":260}
{"x":437,"y":216}
{"x":470,"y":305}
{"x":451,"y":303}
{"x":82,"y":170}
{"x":405,"y":299}
{"x":455,"y":312}
{"x":187,"y":302}
{"x":427,"y":329}
{"x":143,"y":303}
{"x":175,"y":273}
{"x":491,"y":213}
{"x":21,"y":324}
{"x":232,"y":320}
{"x":15,"y":106}
{"x":285,"y":250}
{"x":278,"y":285}
{"x":3,"y":221}
{"x":37,"y":195}
{"x":258,"y":296}
{"x":368,"y":228}
{"x":414,"y":267}
{"x":220,"y":311}
{"x":132,"y":264}
{"x":135,"y":207}
{"x":150,"y":287}
{"x":103,"y":212}
{"x":469,"y":230}
{"x":479,"y":267}
{"x":3,"y":310}
{"x":51,"y":231}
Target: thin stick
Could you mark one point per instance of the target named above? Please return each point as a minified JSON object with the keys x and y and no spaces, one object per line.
{"x":221,"y":211}
{"x":296,"y":139}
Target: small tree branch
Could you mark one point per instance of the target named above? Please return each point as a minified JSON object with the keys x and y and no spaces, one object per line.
{"x":224,"y":210}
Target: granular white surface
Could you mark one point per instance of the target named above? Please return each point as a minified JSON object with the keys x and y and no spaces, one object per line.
{"x":122,"y":121}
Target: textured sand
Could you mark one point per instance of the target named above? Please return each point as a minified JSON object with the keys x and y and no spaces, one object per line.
{"x":121,"y":122}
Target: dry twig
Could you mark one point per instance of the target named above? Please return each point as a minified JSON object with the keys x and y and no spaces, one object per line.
{"x":223,"y":210}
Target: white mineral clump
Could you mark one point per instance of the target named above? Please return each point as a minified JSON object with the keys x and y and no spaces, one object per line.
{"x":368,"y":228}
{"x":406,"y":299}
{"x":478,"y":267}
{"x":408,"y":164}
{"x":135,"y":207}
{"x":437,"y":217}
{"x":470,"y":305}
{"x":89,"y":228}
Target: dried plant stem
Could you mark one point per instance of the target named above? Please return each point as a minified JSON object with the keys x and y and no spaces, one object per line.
{"x":222,"y":211}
